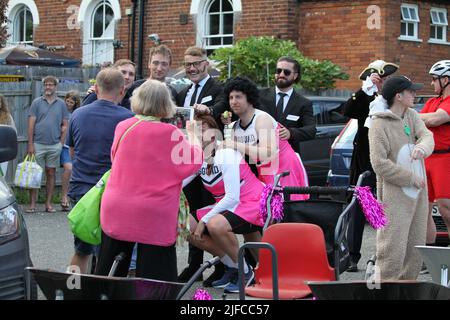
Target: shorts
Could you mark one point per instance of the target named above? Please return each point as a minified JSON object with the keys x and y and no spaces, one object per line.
{"x":83,"y":248}
{"x":47,"y":156}
{"x":64,"y":157}
{"x":238,"y":225}
{"x":438,"y":176}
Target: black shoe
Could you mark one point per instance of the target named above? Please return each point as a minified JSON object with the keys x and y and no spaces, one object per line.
{"x":353,"y":267}
{"x":187,"y":274}
{"x":219,"y":270}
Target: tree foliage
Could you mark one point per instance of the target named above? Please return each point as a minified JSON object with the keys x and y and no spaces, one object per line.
{"x":3,"y":19}
{"x":256,"y":57}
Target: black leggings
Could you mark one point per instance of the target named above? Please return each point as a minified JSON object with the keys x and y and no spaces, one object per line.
{"x":153,"y":262}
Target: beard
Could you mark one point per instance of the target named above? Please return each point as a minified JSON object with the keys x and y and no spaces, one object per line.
{"x":282,"y":83}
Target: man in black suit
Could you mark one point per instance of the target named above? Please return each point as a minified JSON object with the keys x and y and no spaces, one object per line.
{"x":293,"y":111}
{"x":204,"y":95}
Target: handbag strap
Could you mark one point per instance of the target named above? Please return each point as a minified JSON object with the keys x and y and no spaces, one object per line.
{"x":140,"y":119}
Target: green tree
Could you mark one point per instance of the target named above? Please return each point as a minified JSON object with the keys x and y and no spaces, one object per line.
{"x":256,"y":57}
{"x":3,"y":19}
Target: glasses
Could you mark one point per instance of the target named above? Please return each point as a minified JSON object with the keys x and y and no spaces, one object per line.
{"x":286,"y":71}
{"x":194,"y":64}
{"x":49,"y":85}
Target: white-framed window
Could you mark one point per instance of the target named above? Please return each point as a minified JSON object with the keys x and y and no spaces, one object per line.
{"x":23,"y":26}
{"x":102,"y":21}
{"x":99,"y":19}
{"x":215,"y":21}
{"x":439,"y":24}
{"x":218,"y":25}
{"x":23,"y":17}
{"x":409,"y":23}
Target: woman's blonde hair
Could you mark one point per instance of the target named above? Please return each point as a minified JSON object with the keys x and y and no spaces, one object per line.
{"x":153,"y":98}
{"x":4,"y":111}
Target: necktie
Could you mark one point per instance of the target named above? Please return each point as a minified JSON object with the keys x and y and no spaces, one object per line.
{"x":280,"y":105}
{"x":194,"y":95}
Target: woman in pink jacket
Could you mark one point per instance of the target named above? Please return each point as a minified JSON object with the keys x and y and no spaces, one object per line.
{"x":141,"y":200}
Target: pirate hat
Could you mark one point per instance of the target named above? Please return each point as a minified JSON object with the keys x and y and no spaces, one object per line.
{"x":379,"y":66}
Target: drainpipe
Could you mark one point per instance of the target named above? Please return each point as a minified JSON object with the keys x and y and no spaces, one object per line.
{"x":133,"y":30}
{"x":140,"y":38}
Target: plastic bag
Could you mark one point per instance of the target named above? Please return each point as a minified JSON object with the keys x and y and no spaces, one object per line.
{"x":28,"y":174}
{"x":84,"y":218}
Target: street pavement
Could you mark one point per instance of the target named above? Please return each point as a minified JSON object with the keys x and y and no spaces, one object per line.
{"x":51,"y":246}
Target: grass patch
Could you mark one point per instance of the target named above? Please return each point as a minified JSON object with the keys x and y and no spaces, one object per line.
{"x":23,"y":195}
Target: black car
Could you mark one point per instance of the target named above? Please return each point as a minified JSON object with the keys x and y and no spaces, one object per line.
{"x":15,"y":282}
{"x":330,"y":121}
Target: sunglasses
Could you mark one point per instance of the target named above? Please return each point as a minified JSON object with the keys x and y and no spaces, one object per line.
{"x":194,"y":64}
{"x":286,"y":71}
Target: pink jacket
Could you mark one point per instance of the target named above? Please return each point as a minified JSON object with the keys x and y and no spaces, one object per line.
{"x":141,"y":199}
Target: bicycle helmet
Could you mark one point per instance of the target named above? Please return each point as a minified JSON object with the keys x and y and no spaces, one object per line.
{"x":441,"y":68}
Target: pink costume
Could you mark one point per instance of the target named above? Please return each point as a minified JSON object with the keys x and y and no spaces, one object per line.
{"x":285,"y":160}
{"x":142,"y":197}
{"x":233,"y":185}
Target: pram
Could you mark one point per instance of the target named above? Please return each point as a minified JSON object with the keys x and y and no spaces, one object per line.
{"x":326,"y":208}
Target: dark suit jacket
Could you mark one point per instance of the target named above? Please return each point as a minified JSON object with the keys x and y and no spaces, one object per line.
{"x":357,"y":107}
{"x":302,"y":129}
{"x":211,"y":88}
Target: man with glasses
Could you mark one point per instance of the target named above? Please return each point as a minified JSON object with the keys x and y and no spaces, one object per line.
{"x":204,"y":95}
{"x":47,"y":126}
{"x":293,"y":112}
{"x":436,"y":115}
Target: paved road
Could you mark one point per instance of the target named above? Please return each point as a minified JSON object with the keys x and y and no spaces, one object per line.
{"x":51,"y":245}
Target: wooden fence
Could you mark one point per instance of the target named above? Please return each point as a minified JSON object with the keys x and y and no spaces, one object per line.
{"x":19,"y":96}
{"x":65,"y":75}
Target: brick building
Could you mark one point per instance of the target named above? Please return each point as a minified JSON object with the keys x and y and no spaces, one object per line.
{"x":411,"y":33}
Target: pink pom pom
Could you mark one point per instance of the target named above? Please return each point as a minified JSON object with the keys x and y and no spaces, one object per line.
{"x":201,"y":294}
{"x":276,"y":205}
{"x":372,"y":208}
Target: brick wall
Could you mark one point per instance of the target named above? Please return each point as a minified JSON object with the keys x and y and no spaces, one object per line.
{"x":53,"y":30}
{"x":330,"y":29}
{"x":268,"y":17}
{"x":415,"y":58}
{"x":337,"y":31}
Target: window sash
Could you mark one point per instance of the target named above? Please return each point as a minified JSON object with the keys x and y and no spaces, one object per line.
{"x":105,"y":10}
{"x":409,"y":29}
{"x":23,"y":26}
{"x":438,"y":33}
{"x":410,"y":13}
{"x":215,"y":36}
{"x":438,"y":17}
